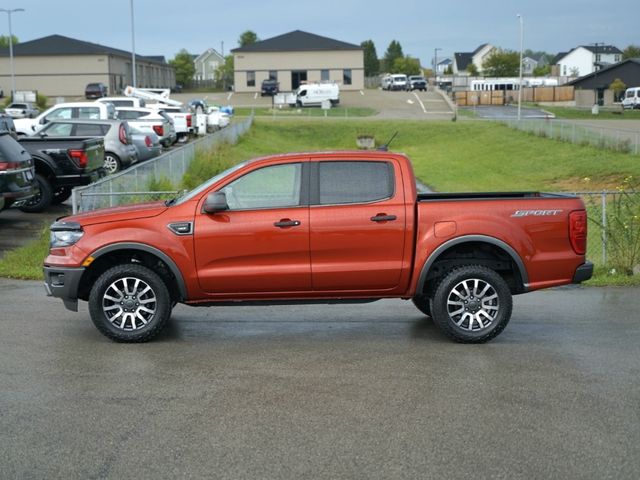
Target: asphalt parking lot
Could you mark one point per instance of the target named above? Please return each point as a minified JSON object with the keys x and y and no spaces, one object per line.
{"x":371,"y":391}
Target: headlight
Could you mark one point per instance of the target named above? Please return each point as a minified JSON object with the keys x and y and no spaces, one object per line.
{"x":64,"y":234}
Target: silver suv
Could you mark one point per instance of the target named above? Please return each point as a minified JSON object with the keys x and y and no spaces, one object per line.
{"x":119,"y":151}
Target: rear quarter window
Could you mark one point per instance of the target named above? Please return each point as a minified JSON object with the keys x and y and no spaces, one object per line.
{"x":354,"y":182}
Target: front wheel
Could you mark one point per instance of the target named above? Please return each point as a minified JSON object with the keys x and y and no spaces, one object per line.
{"x":472,"y":304}
{"x":129,"y":303}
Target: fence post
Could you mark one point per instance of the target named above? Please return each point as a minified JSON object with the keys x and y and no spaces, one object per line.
{"x":74,"y":205}
{"x":573,"y":138}
{"x":604,"y":227}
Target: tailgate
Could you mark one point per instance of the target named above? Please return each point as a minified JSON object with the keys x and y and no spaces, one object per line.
{"x":94,"y":148}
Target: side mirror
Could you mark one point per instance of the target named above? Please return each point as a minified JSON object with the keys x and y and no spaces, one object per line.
{"x":215,"y":202}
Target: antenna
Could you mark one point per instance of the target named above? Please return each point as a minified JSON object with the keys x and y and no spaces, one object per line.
{"x":385,"y":147}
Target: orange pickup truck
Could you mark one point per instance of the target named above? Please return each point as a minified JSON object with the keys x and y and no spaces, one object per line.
{"x":321,"y":227}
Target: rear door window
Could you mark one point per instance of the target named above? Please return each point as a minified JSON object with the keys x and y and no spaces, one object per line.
{"x":354,"y":182}
{"x":90,"y":130}
{"x":89,"y":112}
{"x":59,"y":130}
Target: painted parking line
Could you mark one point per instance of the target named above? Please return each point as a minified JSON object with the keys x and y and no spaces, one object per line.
{"x":361,"y":93}
{"x":229,"y":96}
{"x":420,"y":101}
{"x":255,"y":95}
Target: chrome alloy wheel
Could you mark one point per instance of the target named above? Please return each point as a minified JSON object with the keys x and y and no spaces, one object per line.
{"x":129,"y":303}
{"x":111,"y":164}
{"x":473,"y":304}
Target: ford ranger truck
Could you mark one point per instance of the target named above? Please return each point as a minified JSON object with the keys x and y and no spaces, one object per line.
{"x":318,"y":228}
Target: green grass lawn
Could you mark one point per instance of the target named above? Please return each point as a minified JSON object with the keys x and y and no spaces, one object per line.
{"x":572,"y":113}
{"x":447,"y":156}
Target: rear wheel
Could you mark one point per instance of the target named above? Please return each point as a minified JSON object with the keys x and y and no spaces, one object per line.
{"x":472,"y":304}
{"x":129,"y":303}
{"x":111,"y":163}
{"x":40,"y":200}
{"x":60,"y":195}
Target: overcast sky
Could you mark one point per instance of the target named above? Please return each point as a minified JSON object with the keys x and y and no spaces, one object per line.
{"x":163,"y":27}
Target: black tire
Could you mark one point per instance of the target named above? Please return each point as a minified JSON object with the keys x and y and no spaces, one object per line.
{"x":112,"y":163}
{"x":472,"y":304}
{"x":60,"y":195}
{"x":143,"y":297}
{"x":40,"y":200}
{"x":423,"y":303}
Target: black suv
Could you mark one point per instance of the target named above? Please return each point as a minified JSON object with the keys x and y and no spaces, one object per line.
{"x":270,"y":87}
{"x":95,"y":90}
{"x":16,"y":168}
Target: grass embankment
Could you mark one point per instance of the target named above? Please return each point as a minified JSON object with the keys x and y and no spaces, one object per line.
{"x":448,"y":156}
{"x":286,"y":112}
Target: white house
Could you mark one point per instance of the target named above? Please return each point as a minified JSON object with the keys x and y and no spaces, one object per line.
{"x":443,"y":64}
{"x":586,"y":59}
{"x":206,"y":65}
{"x":462,"y":60}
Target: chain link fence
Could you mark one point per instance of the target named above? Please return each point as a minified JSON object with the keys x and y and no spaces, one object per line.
{"x":614,"y":228}
{"x":618,"y":140}
{"x":134,"y":185}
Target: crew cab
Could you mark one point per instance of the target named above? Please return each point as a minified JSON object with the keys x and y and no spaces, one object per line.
{"x":65,"y":111}
{"x":416,"y":82}
{"x":62,"y":163}
{"x":320,"y":227}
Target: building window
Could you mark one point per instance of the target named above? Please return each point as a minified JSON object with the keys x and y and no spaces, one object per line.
{"x":324,"y":75}
{"x":598,"y":57}
{"x":616,"y":58}
{"x":273,"y":75}
{"x":251,"y":79}
{"x":346,"y":76}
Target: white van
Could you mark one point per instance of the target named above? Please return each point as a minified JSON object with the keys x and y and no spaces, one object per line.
{"x":398,"y":82}
{"x":315,"y":93}
{"x":631,"y":98}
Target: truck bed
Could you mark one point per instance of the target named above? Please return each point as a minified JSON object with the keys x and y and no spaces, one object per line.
{"x":425,"y":197}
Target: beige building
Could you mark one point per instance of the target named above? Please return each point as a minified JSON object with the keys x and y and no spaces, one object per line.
{"x":62,"y":66}
{"x":295,"y":58}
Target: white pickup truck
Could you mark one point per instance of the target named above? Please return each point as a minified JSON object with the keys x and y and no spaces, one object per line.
{"x":65,"y":111}
{"x":182,"y":120}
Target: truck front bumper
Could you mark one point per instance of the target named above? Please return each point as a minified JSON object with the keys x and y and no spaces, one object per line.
{"x":583,"y":272}
{"x":63,"y":283}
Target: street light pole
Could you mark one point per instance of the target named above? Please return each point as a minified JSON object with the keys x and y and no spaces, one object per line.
{"x":133,"y":50}
{"x":435,"y":65}
{"x":13,"y":74}
{"x":520,"y":85}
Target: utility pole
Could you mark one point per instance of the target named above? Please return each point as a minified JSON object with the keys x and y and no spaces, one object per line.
{"x":521,"y":50}
{"x":133,"y":50}
{"x":435,"y":65}
{"x":595,"y":72}
{"x":13,"y":74}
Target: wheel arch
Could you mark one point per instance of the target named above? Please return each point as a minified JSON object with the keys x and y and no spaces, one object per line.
{"x":131,"y":252}
{"x":471,"y":241}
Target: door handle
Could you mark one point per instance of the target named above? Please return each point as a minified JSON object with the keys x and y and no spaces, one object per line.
{"x":285,"y":223}
{"x":383,"y":217}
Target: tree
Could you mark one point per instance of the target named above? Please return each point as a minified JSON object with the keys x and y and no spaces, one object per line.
{"x":502,"y":63}
{"x":473,"y":70}
{"x":407,"y":65}
{"x":183,"y":63}
{"x":394,"y":50}
{"x":632,"y":51}
{"x":224,"y":72}
{"x":542,"y":71}
{"x":248,"y":38}
{"x":371,"y":62}
{"x":4,"y":40}
{"x":618,"y":87}
{"x":449,"y":70}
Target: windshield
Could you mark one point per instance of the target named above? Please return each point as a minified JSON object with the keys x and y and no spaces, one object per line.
{"x":204,"y":186}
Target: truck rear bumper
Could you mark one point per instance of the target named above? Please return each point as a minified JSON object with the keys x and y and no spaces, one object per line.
{"x":63,"y":283}
{"x":583,"y":272}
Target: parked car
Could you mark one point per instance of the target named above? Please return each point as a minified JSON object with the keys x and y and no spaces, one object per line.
{"x":416,"y":82}
{"x":398,"y":81}
{"x":119,"y":151}
{"x":182,"y":120}
{"x":355,"y":230}
{"x":147,"y":144}
{"x":269,"y":87}
{"x":95,"y":90}
{"x":7,"y":124}
{"x":631,"y":98}
{"x":216,"y":119}
{"x":149,"y":120}
{"x":62,"y":163}
{"x":22,"y":110}
{"x":65,"y":111}
{"x":17,"y":173}
{"x":313,"y":94}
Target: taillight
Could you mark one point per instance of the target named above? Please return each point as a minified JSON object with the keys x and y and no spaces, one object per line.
{"x":159,"y":129}
{"x":147,"y":141}
{"x":578,"y":231}
{"x":122,"y":135}
{"x":189,"y":120}
{"x":4,"y":166}
{"x":80,"y":156}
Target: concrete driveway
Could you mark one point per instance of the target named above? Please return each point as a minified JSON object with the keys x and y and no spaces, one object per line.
{"x":371,"y":391}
